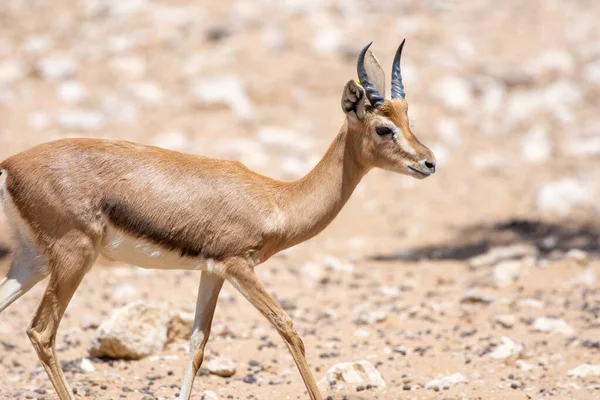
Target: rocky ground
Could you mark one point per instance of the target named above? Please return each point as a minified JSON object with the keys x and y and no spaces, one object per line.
{"x":477,"y":283}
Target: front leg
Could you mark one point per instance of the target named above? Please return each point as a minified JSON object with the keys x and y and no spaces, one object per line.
{"x":208,"y":294}
{"x":242,"y":276}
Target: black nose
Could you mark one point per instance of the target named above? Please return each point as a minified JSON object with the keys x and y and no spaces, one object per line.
{"x":429,"y":165}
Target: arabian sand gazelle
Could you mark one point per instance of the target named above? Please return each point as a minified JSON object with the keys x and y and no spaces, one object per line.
{"x":70,"y":200}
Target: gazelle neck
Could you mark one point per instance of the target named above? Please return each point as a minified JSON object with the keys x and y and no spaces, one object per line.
{"x":312,"y":202}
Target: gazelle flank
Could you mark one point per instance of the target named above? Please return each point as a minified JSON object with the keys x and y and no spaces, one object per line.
{"x":70,"y":200}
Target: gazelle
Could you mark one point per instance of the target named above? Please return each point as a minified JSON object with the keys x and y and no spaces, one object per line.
{"x":70,"y":200}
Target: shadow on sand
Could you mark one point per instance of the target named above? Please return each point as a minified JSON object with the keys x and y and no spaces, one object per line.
{"x":474,"y":240}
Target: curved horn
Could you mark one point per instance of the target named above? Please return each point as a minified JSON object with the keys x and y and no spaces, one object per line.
{"x":375,"y":98}
{"x":397,"y":86}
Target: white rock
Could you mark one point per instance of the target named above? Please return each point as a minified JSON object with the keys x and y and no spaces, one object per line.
{"x":221,"y":366}
{"x":473,"y":296}
{"x":119,"y":44}
{"x":71,"y":91}
{"x":36,"y":44}
{"x":587,"y":278}
{"x":410,"y":25}
{"x":509,"y":351}
{"x":463,"y":49}
{"x":148,"y":92}
{"x":354,"y":374}
{"x":172,"y":16}
{"x":226,"y":90}
{"x":208,"y":395}
{"x":125,"y":291}
{"x":334,"y":264}
{"x":554,"y":325}
{"x":561,"y":98}
{"x":579,"y":256}
{"x":138,"y":330}
{"x":89,"y":321}
{"x":502,"y":253}
{"x":454,"y":93}
{"x":591,"y":73}
{"x":361,"y":333}
{"x":118,"y":110}
{"x":84,"y":120}
{"x":132,"y":332}
{"x":57,"y":67}
{"x":272,"y":37}
{"x":488,"y":161}
{"x":93,"y":8}
{"x":363,"y":314}
{"x":87,"y":365}
{"x":493,"y":97}
{"x":584,"y":143}
{"x":506,"y":272}
{"x":39,"y":120}
{"x":292,"y":167}
{"x":128,"y":67}
{"x":327,"y":40}
{"x":535,"y":145}
{"x":524,"y":106}
{"x":446,"y":382}
{"x":531,"y":303}
{"x":562,"y":195}
{"x":506,"y":320}
{"x":585,"y":370}
{"x":7,"y":97}
{"x":390,"y":292}
{"x":10,"y":71}
{"x":284,"y":140}
{"x":448,"y":132}
{"x":180,"y":325}
{"x":558,"y":61}
{"x":314,"y":273}
{"x":173,"y":140}
{"x":524,"y":365}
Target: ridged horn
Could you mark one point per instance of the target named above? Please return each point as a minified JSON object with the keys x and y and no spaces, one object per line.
{"x":375,"y":98}
{"x":397,"y":86}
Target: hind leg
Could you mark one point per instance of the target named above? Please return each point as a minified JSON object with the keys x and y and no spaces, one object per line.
{"x":27,"y":268}
{"x":69,"y":261}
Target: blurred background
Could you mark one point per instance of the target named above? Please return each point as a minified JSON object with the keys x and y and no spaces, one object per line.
{"x":421,"y":278}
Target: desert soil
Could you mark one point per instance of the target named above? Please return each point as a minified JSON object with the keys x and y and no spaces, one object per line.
{"x":505,"y":93}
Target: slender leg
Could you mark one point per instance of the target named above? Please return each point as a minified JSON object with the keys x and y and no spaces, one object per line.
{"x":208,"y":293}
{"x":245,"y":280}
{"x":67,"y":271}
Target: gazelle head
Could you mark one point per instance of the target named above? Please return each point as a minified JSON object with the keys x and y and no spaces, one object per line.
{"x":381,"y":128}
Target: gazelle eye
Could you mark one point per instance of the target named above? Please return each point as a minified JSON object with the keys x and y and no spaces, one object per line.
{"x":383,"y":130}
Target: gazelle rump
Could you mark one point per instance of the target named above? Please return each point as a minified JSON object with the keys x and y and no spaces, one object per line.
{"x":69,"y":200}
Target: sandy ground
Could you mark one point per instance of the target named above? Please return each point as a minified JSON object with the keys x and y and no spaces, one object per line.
{"x":506,"y":94}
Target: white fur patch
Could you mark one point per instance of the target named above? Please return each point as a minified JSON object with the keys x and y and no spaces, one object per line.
{"x":119,"y":246}
{"x":30,"y":265}
{"x":400,"y":139}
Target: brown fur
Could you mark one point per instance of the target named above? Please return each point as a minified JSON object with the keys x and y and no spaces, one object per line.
{"x":67,"y":192}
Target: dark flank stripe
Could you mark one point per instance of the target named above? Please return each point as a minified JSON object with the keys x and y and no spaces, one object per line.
{"x":126,"y":219}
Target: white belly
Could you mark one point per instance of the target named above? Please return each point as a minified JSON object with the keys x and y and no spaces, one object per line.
{"x":119,"y":246}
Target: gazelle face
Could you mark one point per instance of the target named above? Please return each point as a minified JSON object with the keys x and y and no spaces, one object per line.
{"x":385,"y":138}
{"x":393,"y":145}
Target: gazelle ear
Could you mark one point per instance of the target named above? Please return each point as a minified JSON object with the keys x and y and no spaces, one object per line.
{"x":375,"y":72}
{"x":353,"y":101}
